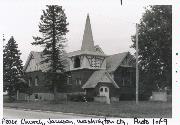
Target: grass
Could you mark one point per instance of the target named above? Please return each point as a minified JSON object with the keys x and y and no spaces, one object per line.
{"x":123,"y":109}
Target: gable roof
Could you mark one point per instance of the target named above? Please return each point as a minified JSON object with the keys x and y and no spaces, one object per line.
{"x":114,"y":61}
{"x":99,"y":76}
{"x":33,"y":55}
{"x":37,"y":58}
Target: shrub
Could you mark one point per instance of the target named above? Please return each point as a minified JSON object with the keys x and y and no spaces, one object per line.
{"x":79,"y":97}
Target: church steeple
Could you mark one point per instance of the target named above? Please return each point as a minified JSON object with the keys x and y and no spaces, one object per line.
{"x":90,"y":56}
{"x":87,"y":43}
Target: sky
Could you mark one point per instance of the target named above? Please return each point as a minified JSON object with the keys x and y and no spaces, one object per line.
{"x":112,"y":24}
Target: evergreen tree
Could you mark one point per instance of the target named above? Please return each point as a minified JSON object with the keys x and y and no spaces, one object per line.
{"x":12,"y":67}
{"x":155,"y":47}
{"x":53,"y":26}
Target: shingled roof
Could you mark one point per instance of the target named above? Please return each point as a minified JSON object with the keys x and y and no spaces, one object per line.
{"x":37,"y":58}
{"x":114,"y":61}
{"x":87,"y":42}
{"x":97,"y":77}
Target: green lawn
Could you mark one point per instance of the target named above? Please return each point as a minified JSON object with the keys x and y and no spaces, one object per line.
{"x":123,"y":109}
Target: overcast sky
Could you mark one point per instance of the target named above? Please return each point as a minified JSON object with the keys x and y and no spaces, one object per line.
{"x":112,"y":24}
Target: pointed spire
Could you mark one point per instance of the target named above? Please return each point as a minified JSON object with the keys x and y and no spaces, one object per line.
{"x":87,"y":43}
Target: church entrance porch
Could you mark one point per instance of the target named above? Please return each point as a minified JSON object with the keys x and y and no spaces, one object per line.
{"x":100,"y":86}
{"x":103,"y":92}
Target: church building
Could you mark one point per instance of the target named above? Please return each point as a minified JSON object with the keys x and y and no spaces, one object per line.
{"x":89,"y":71}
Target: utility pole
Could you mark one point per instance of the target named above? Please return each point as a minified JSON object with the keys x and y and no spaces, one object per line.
{"x":137,"y":70}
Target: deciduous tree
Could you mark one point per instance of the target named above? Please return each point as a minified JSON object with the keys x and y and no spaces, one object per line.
{"x":155,"y":47}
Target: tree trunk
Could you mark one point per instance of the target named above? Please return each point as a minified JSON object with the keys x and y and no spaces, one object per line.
{"x":17,"y":96}
{"x":54,"y":63}
{"x":55,"y":93}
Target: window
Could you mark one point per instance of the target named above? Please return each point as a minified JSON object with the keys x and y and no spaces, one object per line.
{"x":130,"y":77}
{"x":78,"y":81}
{"x":29,"y":81}
{"x":36,"y":81}
{"x":101,"y":89}
{"x":123,"y":82}
{"x":68,"y":82}
{"x":106,"y":90}
{"x":76,"y":62}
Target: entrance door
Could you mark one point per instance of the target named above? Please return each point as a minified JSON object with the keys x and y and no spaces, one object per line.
{"x":104,"y":91}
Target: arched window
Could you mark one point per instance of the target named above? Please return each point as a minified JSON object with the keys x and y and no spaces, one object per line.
{"x":36,"y":81}
{"x":76,"y":62}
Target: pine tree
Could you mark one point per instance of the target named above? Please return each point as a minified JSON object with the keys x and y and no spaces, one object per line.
{"x":155,"y":47}
{"x":12,"y":67}
{"x":53,"y":26}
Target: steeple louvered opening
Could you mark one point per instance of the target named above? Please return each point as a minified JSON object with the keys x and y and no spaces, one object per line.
{"x":77,"y":62}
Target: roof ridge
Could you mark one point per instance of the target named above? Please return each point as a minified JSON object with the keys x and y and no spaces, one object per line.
{"x":119,"y":53}
{"x":36,"y":51}
{"x":114,"y":61}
